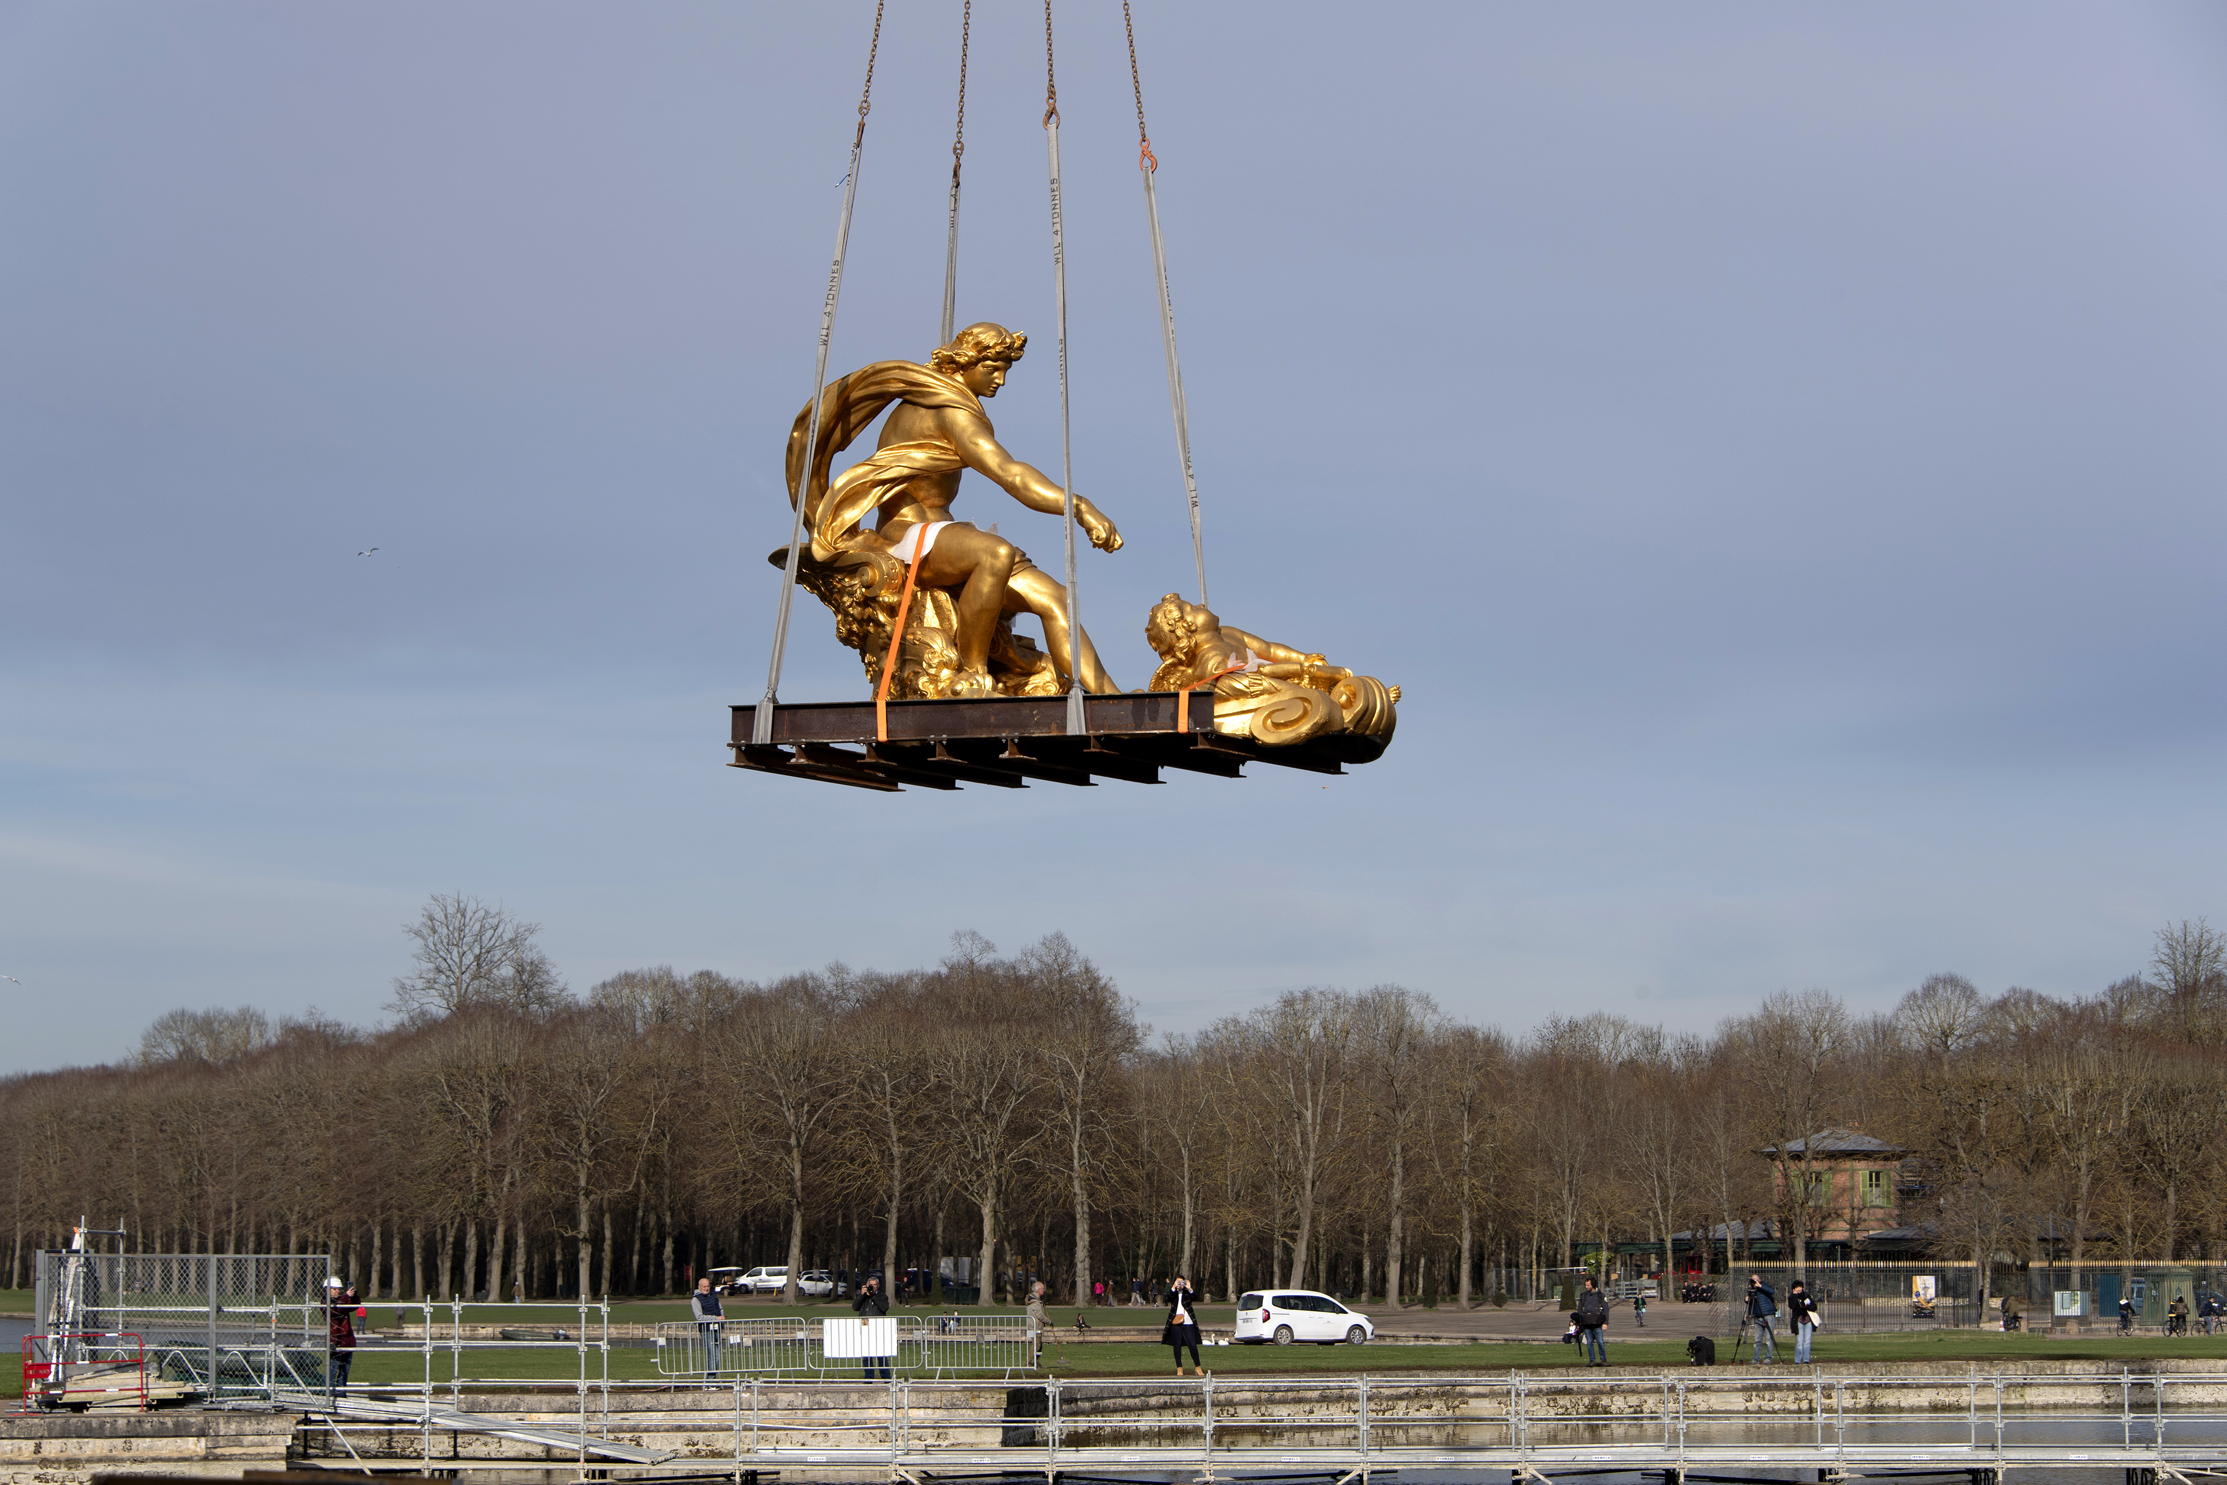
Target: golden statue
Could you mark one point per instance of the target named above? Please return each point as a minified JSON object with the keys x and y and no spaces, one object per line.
{"x":1290,"y":698}
{"x":971,"y":584}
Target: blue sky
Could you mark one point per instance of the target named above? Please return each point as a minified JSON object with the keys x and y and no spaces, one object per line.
{"x":1777,"y":451}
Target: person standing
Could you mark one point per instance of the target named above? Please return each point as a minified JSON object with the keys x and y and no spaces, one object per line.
{"x":1038,"y":1321}
{"x":871,"y":1304}
{"x":340,"y":1329}
{"x":1801,"y":1313}
{"x":1182,"y":1328}
{"x":1639,"y":1310}
{"x":1763,"y":1305}
{"x":710,"y":1320}
{"x":1592,"y":1319}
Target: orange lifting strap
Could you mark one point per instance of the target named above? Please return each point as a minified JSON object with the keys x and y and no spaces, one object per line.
{"x":896,"y":637}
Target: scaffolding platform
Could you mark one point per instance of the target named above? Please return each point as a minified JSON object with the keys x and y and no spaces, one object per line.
{"x":1006,"y":741}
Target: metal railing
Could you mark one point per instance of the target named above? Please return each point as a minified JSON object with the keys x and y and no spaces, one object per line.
{"x":930,"y":1345}
{"x":756,"y":1346}
{"x":944,"y":1345}
{"x":449,"y":1347}
{"x":1527,"y":1423}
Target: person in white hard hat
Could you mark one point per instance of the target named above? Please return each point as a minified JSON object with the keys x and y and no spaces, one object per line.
{"x":341,"y":1309}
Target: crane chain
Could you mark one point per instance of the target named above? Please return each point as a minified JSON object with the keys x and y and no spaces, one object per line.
{"x":1145,"y":158}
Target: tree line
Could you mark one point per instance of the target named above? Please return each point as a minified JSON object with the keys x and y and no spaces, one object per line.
{"x":500,"y":1134}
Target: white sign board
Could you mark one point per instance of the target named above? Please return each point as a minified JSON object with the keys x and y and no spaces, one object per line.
{"x":2068,"y":1301}
{"x":868,"y":1335}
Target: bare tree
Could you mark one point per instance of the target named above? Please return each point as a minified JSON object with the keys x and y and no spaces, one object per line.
{"x":1466,"y":1069}
{"x":215,"y":1036}
{"x":1957,"y":1116}
{"x":475,"y":1072}
{"x":1087,"y":1035}
{"x":783,"y":1063}
{"x":891,"y":1088}
{"x":988,"y":1079}
{"x":1794,"y":1042}
{"x":1397,"y":1026}
{"x":1178,"y":1108}
{"x":1656,"y":1141}
{"x":469,"y":954}
{"x":1306,"y":1044}
{"x":2188,"y":971}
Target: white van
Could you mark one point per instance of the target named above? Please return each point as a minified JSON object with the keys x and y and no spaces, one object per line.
{"x":1287,"y":1315}
{"x":764,"y":1280}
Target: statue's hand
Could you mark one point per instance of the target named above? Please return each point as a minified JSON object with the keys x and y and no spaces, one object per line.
{"x":1095,"y":525}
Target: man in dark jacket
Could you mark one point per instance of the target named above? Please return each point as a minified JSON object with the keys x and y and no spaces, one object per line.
{"x":1592,"y":1318}
{"x":1763,"y":1308}
{"x":710,"y":1316}
{"x":872,"y":1303}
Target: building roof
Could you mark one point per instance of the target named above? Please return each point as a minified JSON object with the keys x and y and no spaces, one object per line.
{"x":1841,"y":1142}
{"x":1742,"y":1232}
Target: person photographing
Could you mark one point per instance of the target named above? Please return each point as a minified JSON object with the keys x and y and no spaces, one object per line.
{"x":1762,"y":1310}
{"x":1182,"y":1328}
{"x":870,"y":1304}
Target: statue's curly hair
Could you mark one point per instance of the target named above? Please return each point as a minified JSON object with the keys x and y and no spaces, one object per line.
{"x":976,"y":344}
{"x":1167,"y":629}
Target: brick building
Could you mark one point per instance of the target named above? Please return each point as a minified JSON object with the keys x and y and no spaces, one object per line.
{"x":1851,"y":1182}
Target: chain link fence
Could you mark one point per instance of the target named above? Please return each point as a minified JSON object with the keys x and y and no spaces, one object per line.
{"x":218,"y":1326}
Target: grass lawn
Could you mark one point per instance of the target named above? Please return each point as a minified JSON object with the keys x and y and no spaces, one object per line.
{"x":1141,"y":1358}
{"x":1915,"y":1349}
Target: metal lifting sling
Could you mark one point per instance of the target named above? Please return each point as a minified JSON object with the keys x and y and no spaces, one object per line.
{"x":1076,"y":724}
{"x":1147,"y":165}
{"x":762,"y":723}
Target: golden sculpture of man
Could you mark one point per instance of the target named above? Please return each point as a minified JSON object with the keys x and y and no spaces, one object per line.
{"x":937,"y":431}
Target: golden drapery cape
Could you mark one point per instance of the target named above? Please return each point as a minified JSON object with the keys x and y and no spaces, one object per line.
{"x":835,"y":513}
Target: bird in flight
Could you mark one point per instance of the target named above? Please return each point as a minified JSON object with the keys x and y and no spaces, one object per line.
{"x":11,"y":979}
{"x":366,"y":554}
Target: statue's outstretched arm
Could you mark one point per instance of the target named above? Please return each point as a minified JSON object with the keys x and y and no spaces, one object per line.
{"x":1268,"y":649}
{"x":1284,"y":662}
{"x":979,"y":447}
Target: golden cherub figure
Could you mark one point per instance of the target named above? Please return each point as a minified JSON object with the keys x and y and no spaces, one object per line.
{"x":1289,"y":697}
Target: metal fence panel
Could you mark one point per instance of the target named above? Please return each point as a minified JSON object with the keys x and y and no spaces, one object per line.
{"x":937,"y":1345}
{"x":746,"y":1348}
{"x":944,"y":1345}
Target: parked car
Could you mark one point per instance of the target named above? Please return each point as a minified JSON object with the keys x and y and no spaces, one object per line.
{"x":821,"y":1284}
{"x":1288,"y":1315}
{"x":726,"y":1280}
{"x":764,"y":1280}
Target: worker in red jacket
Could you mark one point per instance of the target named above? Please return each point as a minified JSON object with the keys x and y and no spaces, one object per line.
{"x":341,"y":1309}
